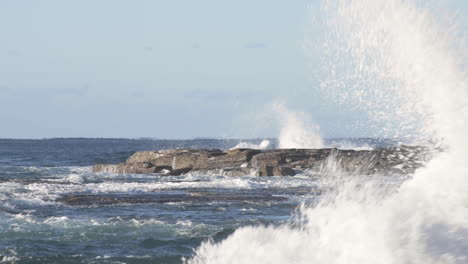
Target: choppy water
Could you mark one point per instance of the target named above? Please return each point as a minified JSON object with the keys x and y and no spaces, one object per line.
{"x":403,"y":62}
{"x":130,"y":218}
{"x":392,"y":58}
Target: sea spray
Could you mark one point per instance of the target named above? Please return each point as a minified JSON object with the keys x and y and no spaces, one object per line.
{"x":296,"y":131}
{"x":403,"y":68}
{"x":393,"y":60}
{"x":265,"y":144}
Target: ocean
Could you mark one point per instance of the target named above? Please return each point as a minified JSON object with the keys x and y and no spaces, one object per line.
{"x":132,"y":218}
{"x":401,"y":63}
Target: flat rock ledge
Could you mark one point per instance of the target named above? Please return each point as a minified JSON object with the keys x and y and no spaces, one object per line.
{"x":275,"y":162}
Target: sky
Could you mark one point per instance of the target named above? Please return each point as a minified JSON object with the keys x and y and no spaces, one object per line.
{"x":161,"y":69}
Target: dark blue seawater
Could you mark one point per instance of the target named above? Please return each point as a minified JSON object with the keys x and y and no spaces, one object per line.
{"x":53,"y":209}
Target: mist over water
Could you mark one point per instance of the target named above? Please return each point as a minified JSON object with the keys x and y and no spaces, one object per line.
{"x":397,"y":61}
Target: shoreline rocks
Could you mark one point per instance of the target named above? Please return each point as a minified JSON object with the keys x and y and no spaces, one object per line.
{"x":274,"y":162}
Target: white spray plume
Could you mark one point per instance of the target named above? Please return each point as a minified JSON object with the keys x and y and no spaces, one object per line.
{"x":295,"y":131}
{"x":406,"y":72}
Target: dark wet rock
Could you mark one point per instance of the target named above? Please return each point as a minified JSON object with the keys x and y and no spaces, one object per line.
{"x":283,"y":171}
{"x":239,"y":171}
{"x":277,"y":162}
{"x":178,"y":172}
{"x":162,"y":198}
{"x":275,"y":171}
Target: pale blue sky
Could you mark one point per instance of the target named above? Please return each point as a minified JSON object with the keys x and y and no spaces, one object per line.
{"x":163,"y":69}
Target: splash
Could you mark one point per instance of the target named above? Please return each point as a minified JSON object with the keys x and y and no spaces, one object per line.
{"x":265,"y":144}
{"x":392,"y":59}
{"x":295,"y":131}
{"x":396,"y":61}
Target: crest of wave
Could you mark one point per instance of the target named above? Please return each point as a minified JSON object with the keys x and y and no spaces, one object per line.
{"x":404,"y":68}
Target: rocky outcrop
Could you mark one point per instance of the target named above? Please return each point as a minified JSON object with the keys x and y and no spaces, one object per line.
{"x":276,"y":162}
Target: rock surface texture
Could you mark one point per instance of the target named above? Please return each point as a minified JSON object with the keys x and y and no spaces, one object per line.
{"x":275,"y":162}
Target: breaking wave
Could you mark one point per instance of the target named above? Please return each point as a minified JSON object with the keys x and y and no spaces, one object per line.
{"x":402,"y":66}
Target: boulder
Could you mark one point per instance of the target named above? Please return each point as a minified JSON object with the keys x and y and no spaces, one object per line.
{"x":268,"y":159}
{"x":275,"y":171}
{"x":232,"y":158}
{"x":144,"y":156}
{"x":138,"y":168}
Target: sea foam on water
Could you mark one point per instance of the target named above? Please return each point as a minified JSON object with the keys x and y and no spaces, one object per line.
{"x":404,"y":68}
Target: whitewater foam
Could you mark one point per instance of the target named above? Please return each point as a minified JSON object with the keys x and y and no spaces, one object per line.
{"x":265,"y":144}
{"x":400,"y":66}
